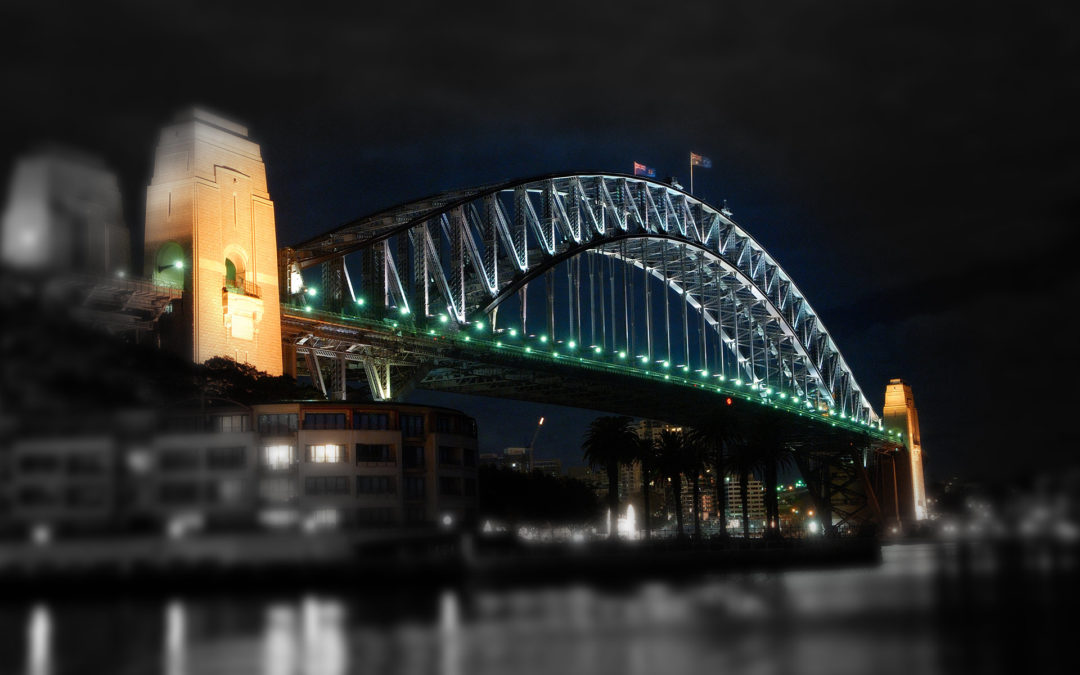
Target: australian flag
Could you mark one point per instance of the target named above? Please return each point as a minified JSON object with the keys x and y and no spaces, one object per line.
{"x":700,"y":160}
{"x":642,"y":170}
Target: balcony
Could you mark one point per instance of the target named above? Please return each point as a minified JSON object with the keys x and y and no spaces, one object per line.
{"x":239,"y":287}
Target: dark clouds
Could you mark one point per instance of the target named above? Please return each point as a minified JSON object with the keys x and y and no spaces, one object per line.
{"x":911,"y":164}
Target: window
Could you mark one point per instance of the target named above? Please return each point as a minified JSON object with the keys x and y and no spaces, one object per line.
{"x":414,"y":487}
{"x":282,"y":423}
{"x":449,"y":455}
{"x":277,"y":489}
{"x":39,"y":463}
{"x":85,"y":465}
{"x":375,"y":485}
{"x":469,"y":456}
{"x":374,"y":453}
{"x":375,"y":516}
{"x":225,"y":491}
{"x":326,"y":454}
{"x":225,"y":458}
{"x":447,"y":424}
{"x":178,"y":459}
{"x":412,"y":426}
{"x":324,"y":420}
{"x":326,"y":485}
{"x":277,"y":456}
{"x":413,"y":456}
{"x":90,"y":496}
{"x":371,"y":421}
{"x":36,"y":495}
{"x":229,"y":423}
{"x":449,"y":486}
{"x":470,"y":487}
{"x":323,"y":518}
{"x":178,"y":493}
{"x":415,"y":514}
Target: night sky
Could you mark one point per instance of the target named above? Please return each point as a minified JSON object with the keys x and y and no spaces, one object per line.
{"x":913,"y":166}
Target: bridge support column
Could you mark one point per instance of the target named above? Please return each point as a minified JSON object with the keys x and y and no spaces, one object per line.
{"x":288,"y":353}
{"x":378,"y":377}
{"x":333,"y":279}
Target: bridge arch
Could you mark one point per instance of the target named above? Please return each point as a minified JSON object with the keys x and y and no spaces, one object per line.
{"x":466,"y":254}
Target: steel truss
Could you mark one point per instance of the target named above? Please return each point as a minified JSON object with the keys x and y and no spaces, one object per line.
{"x":650,"y":271}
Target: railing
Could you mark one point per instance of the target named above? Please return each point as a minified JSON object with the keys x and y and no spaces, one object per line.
{"x":520,"y":349}
{"x":240,"y":287}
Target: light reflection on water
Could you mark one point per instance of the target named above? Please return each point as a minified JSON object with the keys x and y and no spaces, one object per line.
{"x":885,"y":619}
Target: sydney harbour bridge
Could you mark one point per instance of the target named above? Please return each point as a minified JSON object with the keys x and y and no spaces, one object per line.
{"x":493,"y":290}
{"x":603,"y":291}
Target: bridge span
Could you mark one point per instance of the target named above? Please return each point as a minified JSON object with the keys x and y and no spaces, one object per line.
{"x":598,"y":290}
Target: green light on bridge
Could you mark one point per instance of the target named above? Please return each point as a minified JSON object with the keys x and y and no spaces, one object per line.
{"x":312,"y":292}
{"x":543,"y":338}
{"x":597,"y":350}
{"x":404,"y":311}
{"x":360,"y":301}
{"x":307,"y":308}
{"x":443,"y":318}
{"x":513,"y":332}
{"x":622,"y":355}
{"x":571,"y":344}
{"x":479,"y":325}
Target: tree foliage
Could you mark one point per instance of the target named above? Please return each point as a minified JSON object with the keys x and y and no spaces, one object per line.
{"x":536,"y":498}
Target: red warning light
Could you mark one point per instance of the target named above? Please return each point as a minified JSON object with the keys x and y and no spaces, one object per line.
{"x":728,"y":400}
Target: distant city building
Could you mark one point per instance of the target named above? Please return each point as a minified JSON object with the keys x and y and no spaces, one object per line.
{"x":518,"y":459}
{"x":284,"y":465}
{"x":548,"y":467}
{"x":755,"y":507}
{"x":63,"y":215}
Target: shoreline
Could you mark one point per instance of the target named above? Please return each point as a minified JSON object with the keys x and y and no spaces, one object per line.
{"x":342,"y":563}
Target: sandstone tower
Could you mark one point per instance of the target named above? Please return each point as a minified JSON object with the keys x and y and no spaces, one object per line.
{"x":210,"y":230}
{"x":900,"y":415}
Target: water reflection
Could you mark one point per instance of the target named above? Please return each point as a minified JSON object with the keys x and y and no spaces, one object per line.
{"x":174,"y":638}
{"x":925,"y":610}
{"x":39,"y":641}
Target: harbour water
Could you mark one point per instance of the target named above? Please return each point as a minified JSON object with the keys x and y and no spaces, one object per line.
{"x":927,"y":608}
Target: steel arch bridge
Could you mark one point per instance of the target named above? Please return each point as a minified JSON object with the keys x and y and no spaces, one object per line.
{"x":625,"y":273}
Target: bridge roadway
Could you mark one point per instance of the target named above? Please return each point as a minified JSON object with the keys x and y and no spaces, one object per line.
{"x":397,"y":355}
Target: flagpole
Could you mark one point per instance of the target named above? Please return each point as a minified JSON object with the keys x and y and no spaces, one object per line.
{"x":691,"y":173}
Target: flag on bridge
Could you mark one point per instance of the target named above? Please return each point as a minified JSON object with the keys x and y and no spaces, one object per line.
{"x":700,"y":160}
{"x":642,"y":170}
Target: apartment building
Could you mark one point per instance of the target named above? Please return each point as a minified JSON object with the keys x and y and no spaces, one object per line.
{"x":301,"y":465}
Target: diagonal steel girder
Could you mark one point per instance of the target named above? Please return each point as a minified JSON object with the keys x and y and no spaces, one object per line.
{"x":467,"y":252}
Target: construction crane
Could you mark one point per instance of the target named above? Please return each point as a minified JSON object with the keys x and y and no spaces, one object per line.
{"x":533,"y":442}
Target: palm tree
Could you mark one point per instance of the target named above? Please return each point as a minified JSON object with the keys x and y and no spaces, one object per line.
{"x":767,"y":442}
{"x":648,"y":458}
{"x":694,"y":461}
{"x":715,"y":433}
{"x":744,"y":461}
{"x":671,"y":451}
{"x":610,"y":442}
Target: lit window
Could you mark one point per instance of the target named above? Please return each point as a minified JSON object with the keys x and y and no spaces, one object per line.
{"x":278,"y":456}
{"x":326,"y":454}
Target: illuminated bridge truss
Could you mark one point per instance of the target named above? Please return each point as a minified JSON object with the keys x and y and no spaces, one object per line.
{"x":615,"y":268}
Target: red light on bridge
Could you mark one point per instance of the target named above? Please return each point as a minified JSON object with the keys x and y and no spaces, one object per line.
{"x":728,"y":400}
